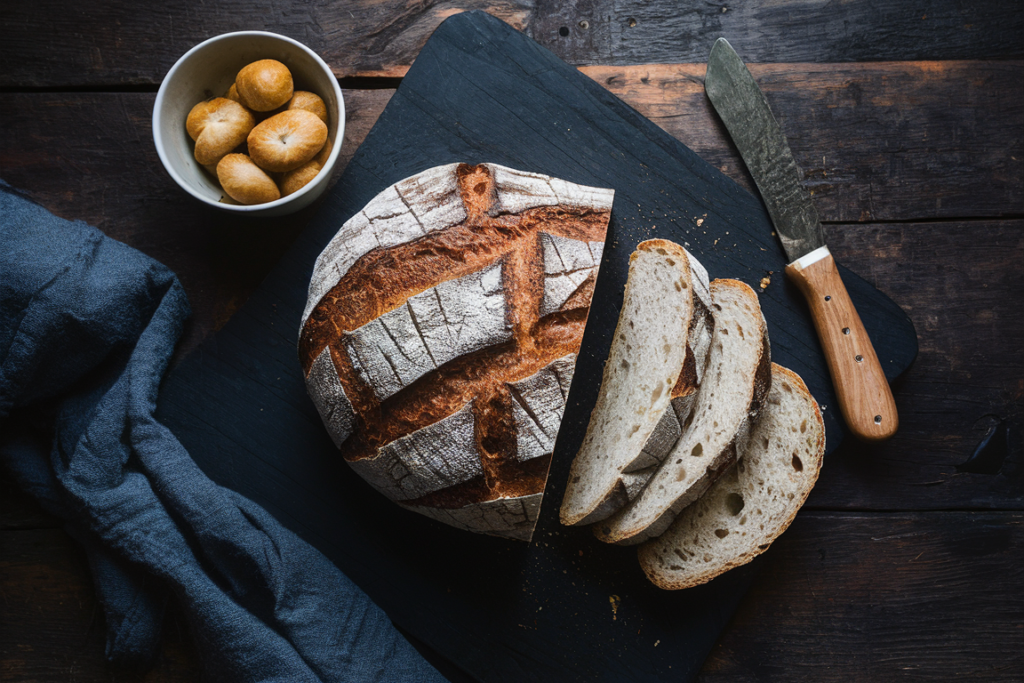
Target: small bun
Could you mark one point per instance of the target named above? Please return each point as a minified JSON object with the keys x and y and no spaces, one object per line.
{"x":218,"y":126}
{"x":264,"y":85}
{"x":311,"y":102}
{"x":324,"y":153}
{"x":244,"y":181}
{"x":295,"y":180}
{"x":232,"y":94}
{"x":287,"y":140}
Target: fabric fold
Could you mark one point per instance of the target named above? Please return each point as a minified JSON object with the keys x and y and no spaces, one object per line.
{"x":87,"y":329}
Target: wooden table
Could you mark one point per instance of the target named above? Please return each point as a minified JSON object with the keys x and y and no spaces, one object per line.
{"x":908,"y":121}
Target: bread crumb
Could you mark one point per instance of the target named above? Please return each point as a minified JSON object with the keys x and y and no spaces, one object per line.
{"x":614,"y":600}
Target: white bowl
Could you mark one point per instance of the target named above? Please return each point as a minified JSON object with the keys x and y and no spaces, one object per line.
{"x":208,"y":70}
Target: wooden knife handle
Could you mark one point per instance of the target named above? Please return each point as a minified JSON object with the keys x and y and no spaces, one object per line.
{"x":864,"y":395}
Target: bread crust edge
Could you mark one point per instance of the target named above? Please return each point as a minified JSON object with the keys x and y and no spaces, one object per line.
{"x":614,"y":497}
{"x":760,"y":389}
{"x":644,"y":552}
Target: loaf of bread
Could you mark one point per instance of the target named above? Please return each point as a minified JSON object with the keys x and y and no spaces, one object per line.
{"x":440,"y":335}
{"x":657,"y":357}
{"x":736,"y":382}
{"x":754,"y":501}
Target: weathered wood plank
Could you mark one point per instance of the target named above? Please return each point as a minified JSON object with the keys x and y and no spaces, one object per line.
{"x":114,"y":42}
{"x":611,"y":32}
{"x":889,"y":141}
{"x":962,"y":283}
{"x":51,"y":627}
{"x":90,"y":156}
{"x":877,"y":142}
{"x":848,"y":596}
{"x":52,"y":43}
{"x":882,"y":597}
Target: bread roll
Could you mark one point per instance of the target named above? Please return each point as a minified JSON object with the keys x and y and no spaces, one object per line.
{"x":295,"y":180}
{"x":309,"y":101}
{"x":264,"y":85}
{"x":218,"y":126}
{"x":244,"y":181}
{"x":287,"y":140}
{"x":440,"y":337}
{"x":324,"y":153}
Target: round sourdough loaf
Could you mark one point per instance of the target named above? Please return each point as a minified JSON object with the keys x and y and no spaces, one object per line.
{"x":440,"y":336}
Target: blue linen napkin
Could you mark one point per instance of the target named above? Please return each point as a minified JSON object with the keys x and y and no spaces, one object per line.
{"x":87,"y":327}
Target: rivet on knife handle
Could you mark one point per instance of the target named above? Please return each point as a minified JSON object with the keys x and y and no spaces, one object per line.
{"x":864,"y":395}
{"x":863,"y":392}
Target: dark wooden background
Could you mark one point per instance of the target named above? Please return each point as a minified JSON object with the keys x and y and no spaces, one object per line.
{"x":908,"y":120}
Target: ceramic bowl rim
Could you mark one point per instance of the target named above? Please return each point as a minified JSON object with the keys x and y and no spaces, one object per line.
{"x":158,"y":107}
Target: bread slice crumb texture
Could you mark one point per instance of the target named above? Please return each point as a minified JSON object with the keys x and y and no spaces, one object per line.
{"x":753,"y":502}
{"x":736,"y":382}
{"x":644,"y":364}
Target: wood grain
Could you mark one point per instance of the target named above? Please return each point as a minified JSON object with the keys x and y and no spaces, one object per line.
{"x":876,"y":142}
{"x":121,"y":43}
{"x":963,"y":285}
{"x":51,"y":43}
{"x":882,"y":597}
{"x":861,"y":388}
{"x":614,"y":32}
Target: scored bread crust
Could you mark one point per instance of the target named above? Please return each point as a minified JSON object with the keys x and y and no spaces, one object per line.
{"x":512,"y":518}
{"x":440,"y":334}
{"x":739,"y":361}
{"x":630,"y":427}
{"x":755,"y":500}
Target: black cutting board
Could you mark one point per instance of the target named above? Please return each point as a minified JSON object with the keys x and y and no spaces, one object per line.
{"x":564,"y":607}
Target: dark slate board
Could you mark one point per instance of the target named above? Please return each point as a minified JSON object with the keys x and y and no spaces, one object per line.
{"x":502,"y":610}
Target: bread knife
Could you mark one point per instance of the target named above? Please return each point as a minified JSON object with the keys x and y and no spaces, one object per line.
{"x":865,"y":399}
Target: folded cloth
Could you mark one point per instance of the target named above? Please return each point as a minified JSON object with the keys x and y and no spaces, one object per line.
{"x":87,"y":327}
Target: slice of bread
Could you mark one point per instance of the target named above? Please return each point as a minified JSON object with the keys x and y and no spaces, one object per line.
{"x":666,"y":302}
{"x":736,"y":382}
{"x":754,"y":501}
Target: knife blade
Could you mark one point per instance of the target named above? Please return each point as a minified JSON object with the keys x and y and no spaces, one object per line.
{"x":865,"y":398}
